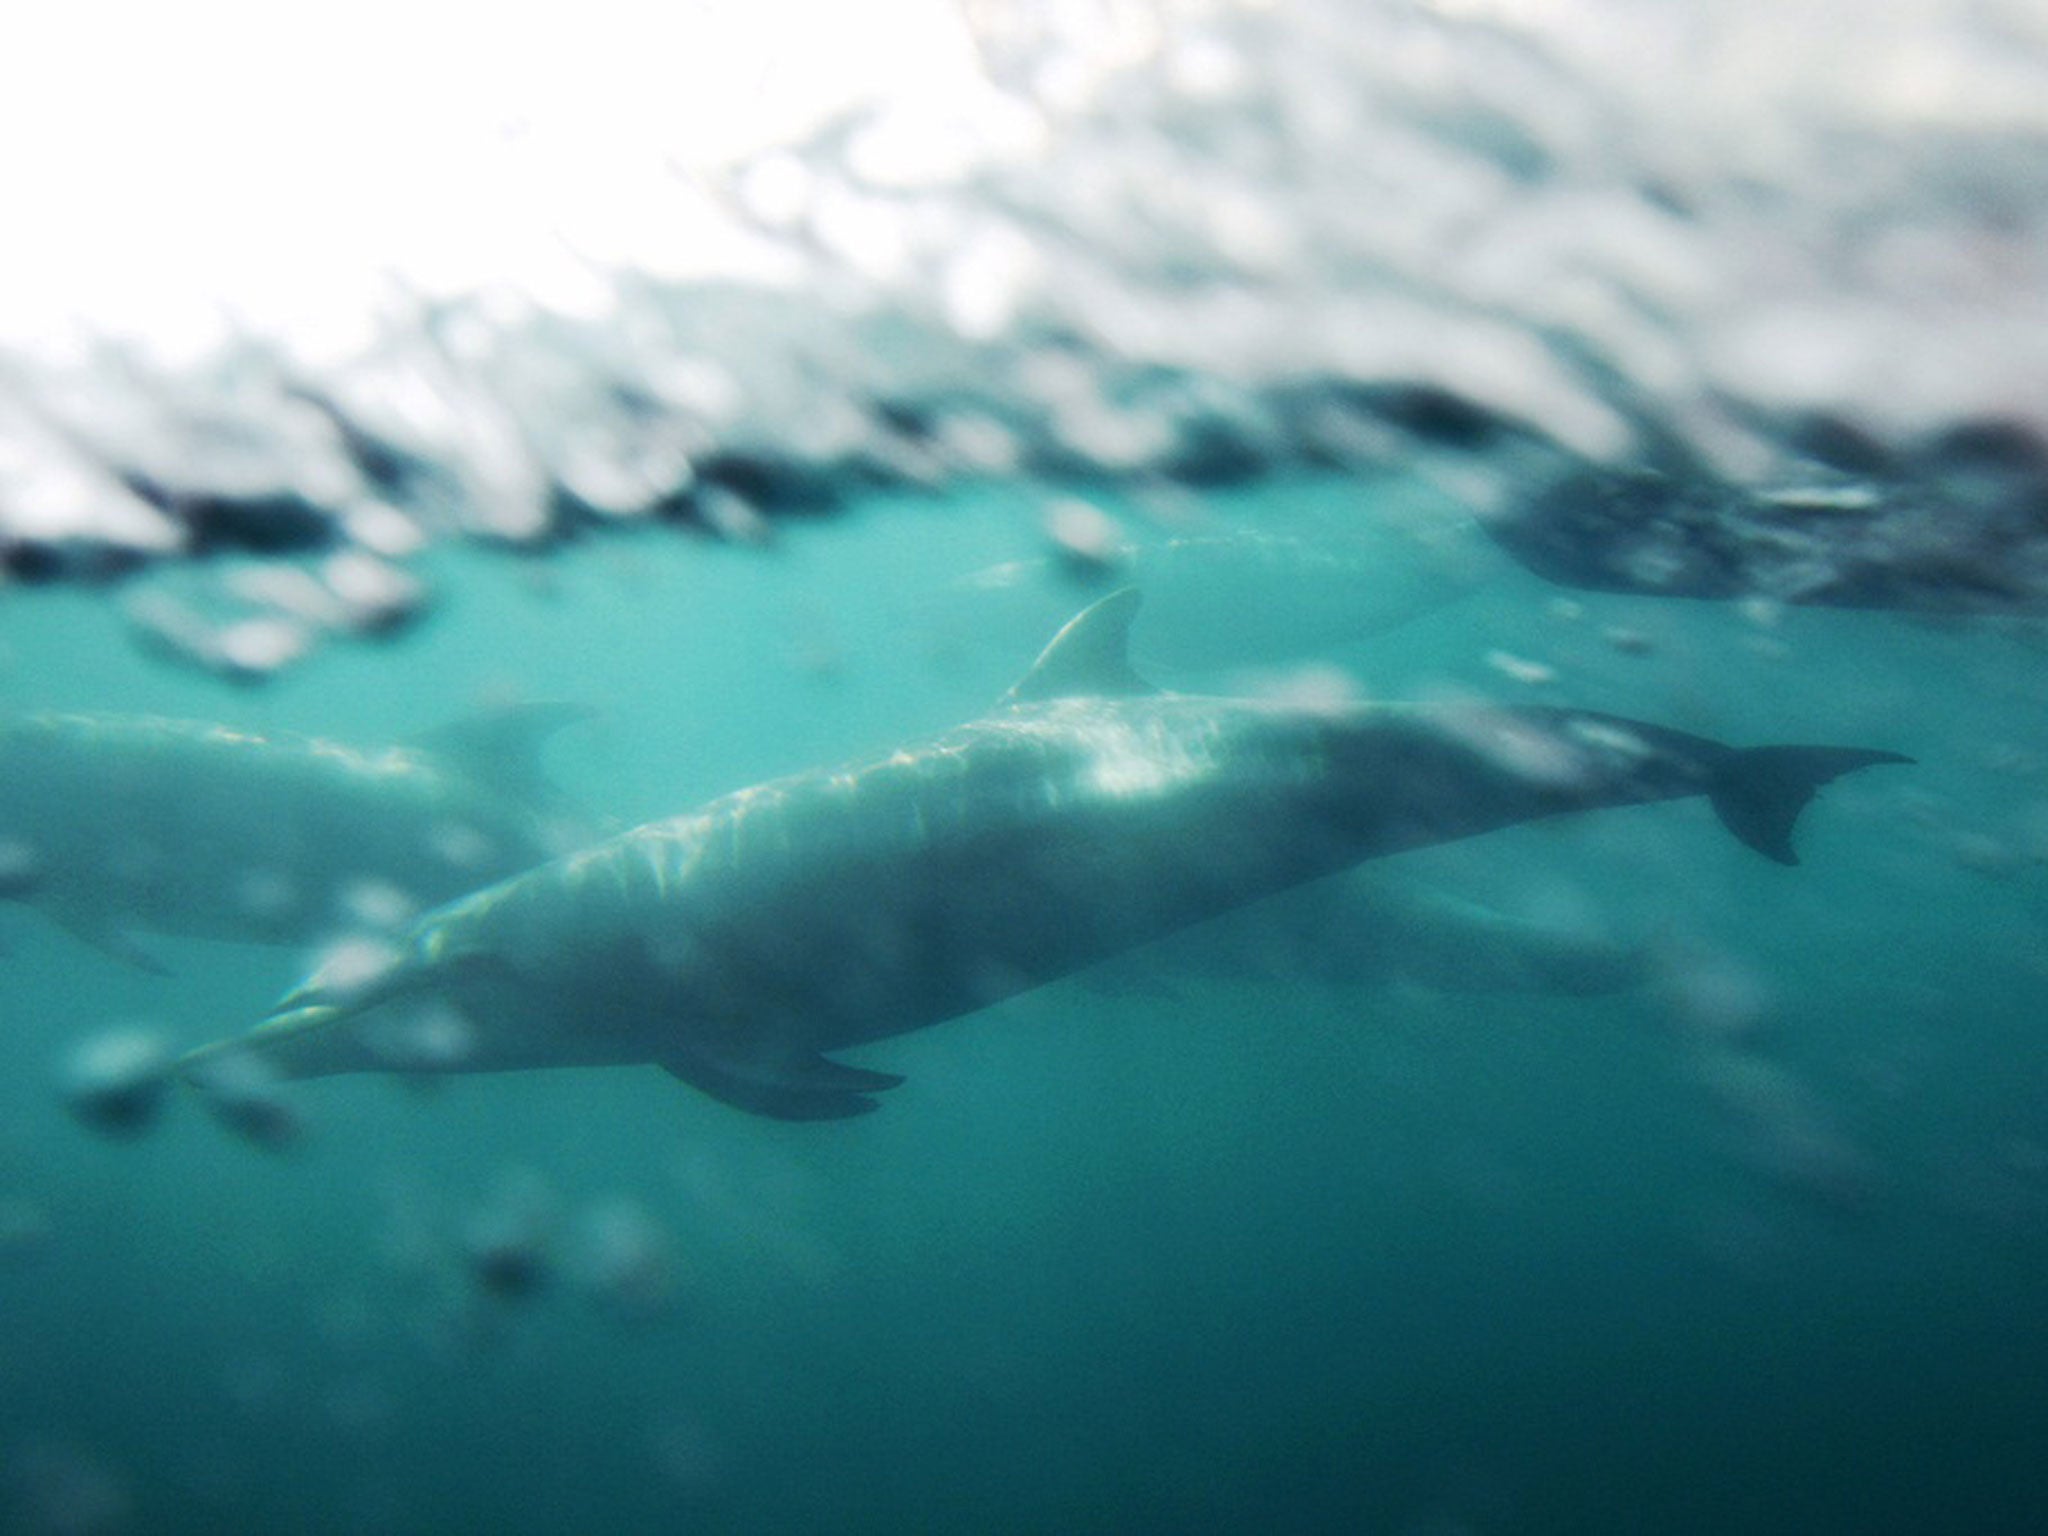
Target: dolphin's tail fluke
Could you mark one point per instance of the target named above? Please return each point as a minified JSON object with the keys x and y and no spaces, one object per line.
{"x":1759,"y":792}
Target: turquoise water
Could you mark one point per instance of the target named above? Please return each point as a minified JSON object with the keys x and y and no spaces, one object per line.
{"x":1755,"y":1245}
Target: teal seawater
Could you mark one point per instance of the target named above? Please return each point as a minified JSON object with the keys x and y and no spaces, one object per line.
{"x":1758,"y":1246}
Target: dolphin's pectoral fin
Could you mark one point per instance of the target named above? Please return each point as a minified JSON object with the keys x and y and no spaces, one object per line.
{"x":812,"y":1073}
{"x":1088,"y":659}
{"x":108,"y":940}
{"x":804,"y":1086}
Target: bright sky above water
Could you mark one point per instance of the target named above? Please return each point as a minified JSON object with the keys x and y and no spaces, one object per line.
{"x":169,"y":171}
{"x":182,"y":171}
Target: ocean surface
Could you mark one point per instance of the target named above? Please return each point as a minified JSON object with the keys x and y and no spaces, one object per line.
{"x":1753,"y":1238}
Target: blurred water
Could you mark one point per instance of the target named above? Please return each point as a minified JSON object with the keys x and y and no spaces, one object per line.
{"x":1291,"y":304}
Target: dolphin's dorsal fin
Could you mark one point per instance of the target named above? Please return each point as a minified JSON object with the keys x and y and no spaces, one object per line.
{"x":1090,"y":658}
{"x":500,"y":748}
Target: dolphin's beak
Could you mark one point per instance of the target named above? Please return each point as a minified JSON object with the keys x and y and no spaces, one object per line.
{"x":284,"y":1023}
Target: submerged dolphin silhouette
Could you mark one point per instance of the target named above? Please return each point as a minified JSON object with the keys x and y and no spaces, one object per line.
{"x":126,"y":822}
{"x":1367,"y":930}
{"x":1084,"y":816}
{"x":1964,"y":534}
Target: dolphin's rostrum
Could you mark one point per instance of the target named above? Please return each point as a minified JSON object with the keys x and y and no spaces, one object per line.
{"x":1085,"y":815}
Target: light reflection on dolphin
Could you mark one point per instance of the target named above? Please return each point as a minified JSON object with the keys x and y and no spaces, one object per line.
{"x":1087,"y":814}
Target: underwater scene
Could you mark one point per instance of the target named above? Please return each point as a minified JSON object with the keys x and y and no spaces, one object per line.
{"x":1146,"y":766}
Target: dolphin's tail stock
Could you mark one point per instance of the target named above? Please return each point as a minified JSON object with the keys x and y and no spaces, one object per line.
{"x":1758,"y":792}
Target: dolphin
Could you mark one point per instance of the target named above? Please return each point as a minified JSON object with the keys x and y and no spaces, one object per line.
{"x":1365,"y":929}
{"x":1221,"y":600}
{"x":117,"y":823}
{"x":1087,"y":814}
{"x":1963,"y":534}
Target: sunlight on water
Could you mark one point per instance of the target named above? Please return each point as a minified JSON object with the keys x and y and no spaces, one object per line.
{"x":292,"y":173}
